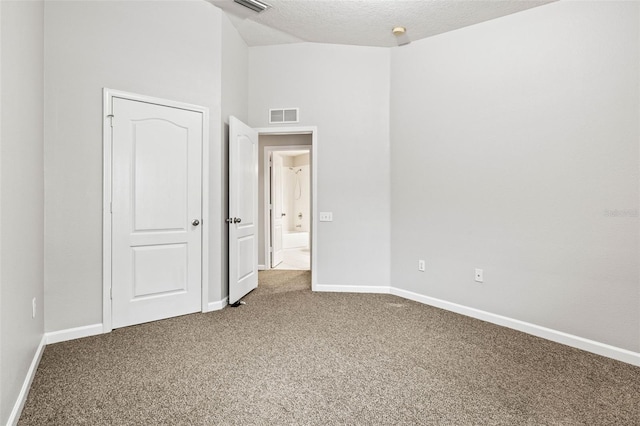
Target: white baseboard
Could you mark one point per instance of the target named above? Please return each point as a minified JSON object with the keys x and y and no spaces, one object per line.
{"x":24,"y":391}
{"x":262,"y":268}
{"x":216,"y":306}
{"x":352,"y":288}
{"x":73,"y":333}
{"x":592,"y":346}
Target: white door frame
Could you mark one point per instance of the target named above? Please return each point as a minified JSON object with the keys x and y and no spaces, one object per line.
{"x":313,"y":149}
{"x":107,"y":98}
{"x":275,"y":192}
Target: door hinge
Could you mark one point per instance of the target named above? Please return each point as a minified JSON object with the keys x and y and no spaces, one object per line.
{"x":270,"y":249}
{"x":270,"y":206}
{"x":110,"y":207}
{"x":111,"y":293}
{"x":110,"y":117}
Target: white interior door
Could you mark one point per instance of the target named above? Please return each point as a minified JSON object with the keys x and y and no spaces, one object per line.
{"x":156,"y":212}
{"x":243,"y":209}
{"x":277,"y":213}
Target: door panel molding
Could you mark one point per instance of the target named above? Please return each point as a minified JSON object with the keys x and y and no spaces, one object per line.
{"x":108,"y":97}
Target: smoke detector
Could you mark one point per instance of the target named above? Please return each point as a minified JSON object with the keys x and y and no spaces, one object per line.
{"x":398,"y":31}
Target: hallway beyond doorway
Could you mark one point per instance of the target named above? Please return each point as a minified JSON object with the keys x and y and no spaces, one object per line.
{"x":295,"y":259}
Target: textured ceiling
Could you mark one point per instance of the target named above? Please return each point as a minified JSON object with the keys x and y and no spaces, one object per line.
{"x":362,"y":22}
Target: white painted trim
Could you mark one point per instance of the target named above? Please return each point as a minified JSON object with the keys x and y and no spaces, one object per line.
{"x":373,"y":289}
{"x":567,"y":339}
{"x":24,"y":390}
{"x":592,"y":346}
{"x":216,"y":306}
{"x":204,"y":206}
{"x":313,"y":131}
{"x":106,"y":210}
{"x":107,"y":101}
{"x":73,"y":333}
{"x":261,"y":268}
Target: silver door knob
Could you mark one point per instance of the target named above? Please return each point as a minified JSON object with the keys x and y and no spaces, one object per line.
{"x":237,"y":220}
{"x":195,"y":222}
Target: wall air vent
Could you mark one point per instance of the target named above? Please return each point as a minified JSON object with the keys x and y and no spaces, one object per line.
{"x":255,"y":5}
{"x":284,"y":115}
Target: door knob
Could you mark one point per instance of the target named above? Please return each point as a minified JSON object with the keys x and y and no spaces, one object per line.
{"x":195,"y":222}
{"x":284,"y":214}
{"x":229,"y":220}
{"x":237,"y":220}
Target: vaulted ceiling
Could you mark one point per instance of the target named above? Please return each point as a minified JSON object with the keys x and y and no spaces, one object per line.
{"x":362,"y":22}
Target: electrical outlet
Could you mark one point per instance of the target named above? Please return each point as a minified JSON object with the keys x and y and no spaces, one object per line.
{"x":479,"y":276}
{"x":421,"y":265}
{"x":33,"y":307}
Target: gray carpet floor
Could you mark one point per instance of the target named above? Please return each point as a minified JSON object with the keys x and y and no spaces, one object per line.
{"x":293,"y":357}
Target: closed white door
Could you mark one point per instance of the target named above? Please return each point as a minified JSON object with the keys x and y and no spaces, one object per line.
{"x":156,"y":212}
{"x":277,"y":212}
{"x":243,"y":209}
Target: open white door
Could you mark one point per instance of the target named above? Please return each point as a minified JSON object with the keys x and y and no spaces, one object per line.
{"x":277,"y":213}
{"x":157,"y":210}
{"x":243,"y":209}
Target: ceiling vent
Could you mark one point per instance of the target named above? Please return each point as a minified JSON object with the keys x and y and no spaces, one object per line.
{"x":284,"y":115}
{"x":255,"y":5}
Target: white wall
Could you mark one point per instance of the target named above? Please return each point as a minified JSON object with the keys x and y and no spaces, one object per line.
{"x":2,"y":391}
{"x":302,"y":160}
{"x":21,"y":208}
{"x":515,"y":148}
{"x":235,"y":100}
{"x":344,"y":90}
{"x":163,"y":49}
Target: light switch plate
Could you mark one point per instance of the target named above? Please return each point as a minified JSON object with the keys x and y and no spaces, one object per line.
{"x":326,"y":216}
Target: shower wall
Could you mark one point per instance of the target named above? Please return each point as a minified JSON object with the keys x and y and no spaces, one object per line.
{"x":296,"y":193}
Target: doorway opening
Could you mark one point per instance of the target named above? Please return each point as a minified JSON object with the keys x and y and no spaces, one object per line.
{"x":287,"y":199}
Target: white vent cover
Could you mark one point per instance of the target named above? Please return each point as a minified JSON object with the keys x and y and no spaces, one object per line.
{"x":284,"y":115}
